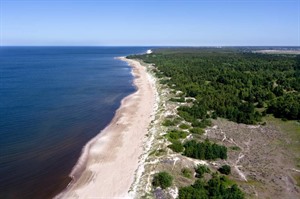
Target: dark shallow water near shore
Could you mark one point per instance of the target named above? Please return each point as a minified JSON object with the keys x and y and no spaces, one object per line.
{"x":53,"y":100}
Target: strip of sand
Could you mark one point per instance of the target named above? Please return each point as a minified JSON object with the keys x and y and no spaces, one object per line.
{"x":108,"y":163}
{"x":291,"y":52}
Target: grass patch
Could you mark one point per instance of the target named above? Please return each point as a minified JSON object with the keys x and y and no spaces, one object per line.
{"x":297,"y":179}
{"x":197,"y":130}
{"x":235,"y":148}
{"x":175,"y":135}
{"x":292,"y":129}
{"x":171,"y":122}
{"x":184,"y":126}
{"x":168,"y":122}
{"x":158,"y":152}
{"x":202,"y":124}
{"x":186,"y":172}
{"x":227,"y":181}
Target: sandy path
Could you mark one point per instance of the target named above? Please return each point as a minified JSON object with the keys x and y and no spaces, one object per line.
{"x":111,"y":158}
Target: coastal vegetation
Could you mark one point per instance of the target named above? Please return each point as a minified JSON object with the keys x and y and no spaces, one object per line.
{"x":205,"y":85}
{"x":225,"y":169}
{"x":204,"y":150}
{"x":162,"y":180}
{"x":231,"y":83}
{"x":200,"y":170}
{"x":186,"y":172}
{"x":199,"y":150}
{"x":216,"y":187}
{"x":176,"y":146}
{"x":174,"y":135}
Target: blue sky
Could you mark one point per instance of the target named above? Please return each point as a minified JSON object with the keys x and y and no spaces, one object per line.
{"x":149,"y":22}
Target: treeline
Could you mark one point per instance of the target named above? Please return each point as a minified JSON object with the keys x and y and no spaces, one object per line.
{"x":231,"y":84}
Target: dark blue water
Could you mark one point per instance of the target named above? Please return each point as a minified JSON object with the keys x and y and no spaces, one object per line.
{"x":53,"y":100}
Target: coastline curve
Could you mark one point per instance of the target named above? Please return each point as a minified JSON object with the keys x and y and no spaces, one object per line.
{"x":109,"y":161}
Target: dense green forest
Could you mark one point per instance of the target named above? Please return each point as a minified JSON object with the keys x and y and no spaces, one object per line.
{"x":230,"y":82}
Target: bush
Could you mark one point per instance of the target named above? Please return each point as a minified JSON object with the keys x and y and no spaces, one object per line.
{"x":168,"y":123}
{"x":202,"y":124}
{"x":235,"y":148}
{"x":197,"y":130}
{"x":162,"y":179}
{"x":214,"y":115}
{"x":186,"y":116}
{"x":186,"y":172}
{"x":200,"y":170}
{"x":181,"y":99}
{"x":175,"y":135}
{"x":225,"y":169}
{"x":184,"y":126}
{"x":176,"y":146}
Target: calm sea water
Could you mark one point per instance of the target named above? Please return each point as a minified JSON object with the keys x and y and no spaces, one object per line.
{"x":53,"y":100}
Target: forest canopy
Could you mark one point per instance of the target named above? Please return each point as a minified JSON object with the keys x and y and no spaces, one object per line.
{"x":232,"y":83}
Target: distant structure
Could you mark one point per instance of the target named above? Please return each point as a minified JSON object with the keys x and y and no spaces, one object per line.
{"x":149,"y":51}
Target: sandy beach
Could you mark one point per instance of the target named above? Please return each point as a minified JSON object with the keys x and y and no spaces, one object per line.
{"x":107,"y":166}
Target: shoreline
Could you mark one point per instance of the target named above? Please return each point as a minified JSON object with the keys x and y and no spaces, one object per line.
{"x":109,"y":162}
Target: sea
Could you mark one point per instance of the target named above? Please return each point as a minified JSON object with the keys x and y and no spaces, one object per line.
{"x":53,"y":100}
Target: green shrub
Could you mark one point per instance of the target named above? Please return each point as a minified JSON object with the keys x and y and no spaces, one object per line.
{"x":202,"y":124}
{"x":235,"y":148}
{"x":168,"y":123}
{"x":186,"y":116}
{"x":186,"y":172}
{"x":225,"y":169}
{"x":197,"y":130}
{"x":181,"y":99}
{"x":214,"y":115}
{"x":200,"y":170}
{"x":175,"y":135}
{"x":171,"y":122}
{"x":163,"y":81}
{"x":162,"y":179}
{"x":176,"y":146}
{"x":184,"y":126}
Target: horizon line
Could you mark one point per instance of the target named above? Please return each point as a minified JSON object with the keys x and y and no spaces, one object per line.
{"x":216,"y":46}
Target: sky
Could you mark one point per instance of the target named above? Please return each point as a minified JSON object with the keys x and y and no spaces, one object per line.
{"x":149,"y":23}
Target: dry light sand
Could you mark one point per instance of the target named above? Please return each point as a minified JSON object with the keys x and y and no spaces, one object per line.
{"x":107,"y":166}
